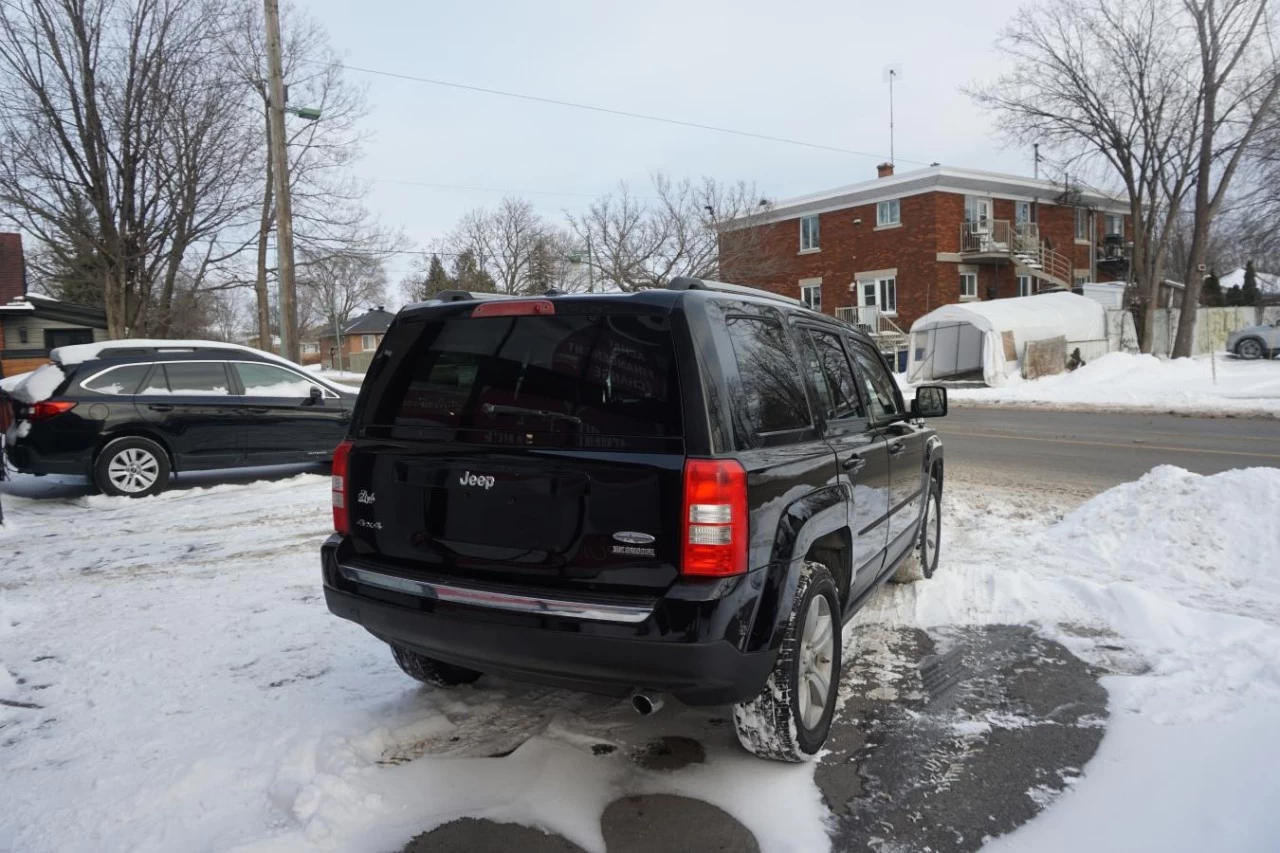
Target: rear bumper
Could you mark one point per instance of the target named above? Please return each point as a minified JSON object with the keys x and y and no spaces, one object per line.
{"x":24,"y":455}
{"x":688,"y":645}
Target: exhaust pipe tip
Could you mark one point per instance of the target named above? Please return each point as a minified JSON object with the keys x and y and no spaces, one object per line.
{"x":646,"y":702}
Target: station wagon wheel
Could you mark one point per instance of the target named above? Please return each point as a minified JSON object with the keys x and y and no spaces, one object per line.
{"x":132,"y":467}
{"x":1249,"y":348}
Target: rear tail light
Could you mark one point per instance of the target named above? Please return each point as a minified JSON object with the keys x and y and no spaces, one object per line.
{"x":46,"y":409}
{"x":514,"y":308}
{"x":341,"y":521}
{"x":714,"y":540}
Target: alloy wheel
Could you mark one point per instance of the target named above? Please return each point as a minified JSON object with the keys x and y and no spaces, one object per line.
{"x":133,"y":470}
{"x":817,"y":651}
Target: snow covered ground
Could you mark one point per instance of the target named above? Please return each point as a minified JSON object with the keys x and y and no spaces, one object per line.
{"x":1123,"y":382}
{"x":171,"y":680}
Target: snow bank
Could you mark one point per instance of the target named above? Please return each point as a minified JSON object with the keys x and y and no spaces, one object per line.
{"x":1121,"y":380}
{"x":1174,"y":578}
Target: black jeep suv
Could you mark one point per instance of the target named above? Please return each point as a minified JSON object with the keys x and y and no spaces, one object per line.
{"x":683,"y":491}
{"x":130,"y":413}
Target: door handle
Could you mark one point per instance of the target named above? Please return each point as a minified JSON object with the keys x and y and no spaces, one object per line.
{"x":160,"y":407}
{"x":854,"y":464}
{"x":258,"y":410}
{"x":896,"y":448}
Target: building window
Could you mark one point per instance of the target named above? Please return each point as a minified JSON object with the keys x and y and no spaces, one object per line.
{"x":888,"y":213}
{"x":977,"y":210}
{"x":1115,"y":224}
{"x":811,"y":293}
{"x":1081,"y":278}
{"x":1022,"y":212}
{"x":23,"y":336}
{"x":869,"y":293}
{"x":809,"y":234}
{"x":968,"y":285}
{"x":888,"y":295}
{"x":1082,"y":224}
{"x":1024,"y":285}
{"x":368,"y":343}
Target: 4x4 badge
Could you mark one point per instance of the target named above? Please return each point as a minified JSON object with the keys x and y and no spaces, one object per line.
{"x":633,"y":538}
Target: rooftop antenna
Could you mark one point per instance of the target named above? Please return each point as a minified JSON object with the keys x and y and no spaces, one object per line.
{"x":892,"y":72}
{"x":1036,"y":168}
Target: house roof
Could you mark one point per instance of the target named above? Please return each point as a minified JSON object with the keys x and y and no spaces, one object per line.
{"x":47,"y":307}
{"x":1267,"y":282}
{"x":369,"y":323}
{"x":930,"y":179}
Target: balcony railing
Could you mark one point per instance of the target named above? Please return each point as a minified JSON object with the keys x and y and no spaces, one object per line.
{"x":998,"y":236}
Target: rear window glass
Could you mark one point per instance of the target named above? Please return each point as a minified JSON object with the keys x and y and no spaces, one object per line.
{"x":772,"y":396}
{"x":117,"y":380}
{"x":571,"y":374}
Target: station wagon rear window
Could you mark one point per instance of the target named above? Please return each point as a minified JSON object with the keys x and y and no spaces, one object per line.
{"x":570,"y":374}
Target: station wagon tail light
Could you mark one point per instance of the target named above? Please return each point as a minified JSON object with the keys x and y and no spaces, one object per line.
{"x":514,"y":308}
{"x":714,"y":535}
{"x":341,"y":522}
{"x":46,"y":409}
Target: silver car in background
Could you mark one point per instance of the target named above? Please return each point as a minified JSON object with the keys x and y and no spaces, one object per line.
{"x":1255,"y":341}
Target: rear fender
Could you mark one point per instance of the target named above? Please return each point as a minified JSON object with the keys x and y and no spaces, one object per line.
{"x":820,"y":513}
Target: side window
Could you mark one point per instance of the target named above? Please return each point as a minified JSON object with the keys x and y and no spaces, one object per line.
{"x":189,"y":378}
{"x":771,"y":398}
{"x":121,"y":380}
{"x":876,"y":382}
{"x":267,"y":380}
{"x":835,"y":377}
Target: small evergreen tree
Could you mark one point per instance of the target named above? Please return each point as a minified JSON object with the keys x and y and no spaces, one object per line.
{"x":1249,"y":294}
{"x":469,"y":276}
{"x":1233,"y":296}
{"x":437,"y":279}
{"x":1211,"y":292}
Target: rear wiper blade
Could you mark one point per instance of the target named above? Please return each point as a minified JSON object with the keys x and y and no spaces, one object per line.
{"x":498,"y":409}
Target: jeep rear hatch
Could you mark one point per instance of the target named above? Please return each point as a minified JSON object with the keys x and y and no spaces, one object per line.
{"x":524,"y":442}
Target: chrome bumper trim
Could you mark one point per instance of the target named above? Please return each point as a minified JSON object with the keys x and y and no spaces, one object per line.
{"x":456,"y":594}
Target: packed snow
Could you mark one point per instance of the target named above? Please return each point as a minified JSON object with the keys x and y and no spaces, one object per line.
{"x":173,"y":681}
{"x":1123,"y":381}
{"x":37,"y":385}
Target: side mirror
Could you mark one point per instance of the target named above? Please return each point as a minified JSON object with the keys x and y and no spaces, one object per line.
{"x":930,"y":402}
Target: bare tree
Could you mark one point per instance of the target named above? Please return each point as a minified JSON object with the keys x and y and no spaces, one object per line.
{"x":123,"y":147}
{"x":1239,"y":80}
{"x":1101,"y":83}
{"x":637,"y":243}
{"x":228,"y":318}
{"x":333,"y":287}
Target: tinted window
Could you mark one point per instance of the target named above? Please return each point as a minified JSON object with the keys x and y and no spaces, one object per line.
{"x":267,"y":380}
{"x":876,"y":381}
{"x":771,"y":397}
{"x":572,"y":374}
{"x":189,"y":378}
{"x":117,"y":380}
{"x":835,"y":377}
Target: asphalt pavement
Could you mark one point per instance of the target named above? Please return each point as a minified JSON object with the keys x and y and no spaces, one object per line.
{"x":1091,"y":451}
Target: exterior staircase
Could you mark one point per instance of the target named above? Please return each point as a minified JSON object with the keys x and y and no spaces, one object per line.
{"x":1020,"y":243}
{"x":888,"y":335}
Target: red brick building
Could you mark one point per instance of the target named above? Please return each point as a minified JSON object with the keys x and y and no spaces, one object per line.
{"x":886,"y":251}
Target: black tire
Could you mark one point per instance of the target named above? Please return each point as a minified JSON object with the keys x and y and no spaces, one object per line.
{"x":771,"y":725}
{"x":133,"y":467}
{"x":1251,"y":348}
{"x":431,"y":671}
{"x":923,"y":561}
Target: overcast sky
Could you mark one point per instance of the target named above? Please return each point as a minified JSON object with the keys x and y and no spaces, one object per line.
{"x":811,"y":71}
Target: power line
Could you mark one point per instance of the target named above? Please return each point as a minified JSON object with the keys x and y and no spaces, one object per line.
{"x":618,"y":112}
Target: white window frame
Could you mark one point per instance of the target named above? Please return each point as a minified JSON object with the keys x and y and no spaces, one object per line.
{"x":978,"y":209}
{"x":889,"y":213}
{"x":1030,"y":285}
{"x":808,"y":287}
{"x":1080,"y":278}
{"x":968,"y":276}
{"x":812,"y":236}
{"x":1117,"y":220}
{"x":364,"y":343}
{"x":1082,"y":224}
{"x":1019,"y":209}
{"x":886,"y":287}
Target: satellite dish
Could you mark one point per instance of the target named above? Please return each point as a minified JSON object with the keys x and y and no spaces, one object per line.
{"x":893,"y":71}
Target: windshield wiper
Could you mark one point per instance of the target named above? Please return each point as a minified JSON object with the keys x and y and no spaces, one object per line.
{"x":498,"y":409}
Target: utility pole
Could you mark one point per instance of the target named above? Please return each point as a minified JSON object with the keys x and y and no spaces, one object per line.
{"x":289,"y":344}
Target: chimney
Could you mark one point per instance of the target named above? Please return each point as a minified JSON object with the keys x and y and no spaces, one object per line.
{"x":884,"y":170}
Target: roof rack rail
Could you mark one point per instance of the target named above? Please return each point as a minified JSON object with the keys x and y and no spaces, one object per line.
{"x":468,"y":296}
{"x":685,"y":282}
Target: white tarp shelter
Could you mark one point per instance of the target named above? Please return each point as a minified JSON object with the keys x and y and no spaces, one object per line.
{"x":991,"y":337}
